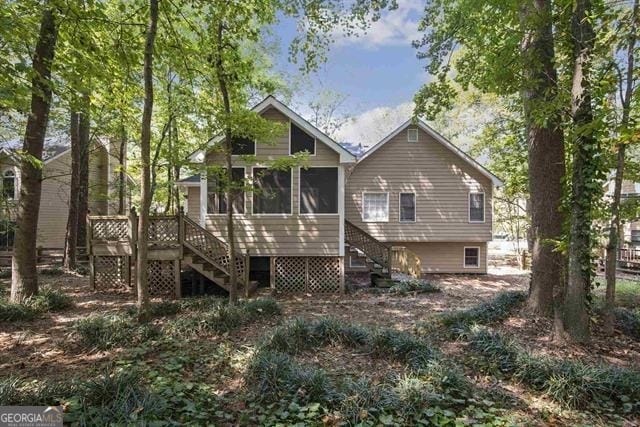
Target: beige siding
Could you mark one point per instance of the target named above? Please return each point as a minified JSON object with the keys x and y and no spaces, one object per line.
{"x":278,"y":234}
{"x":446,"y":257}
{"x":441,"y":181}
{"x":193,"y":203}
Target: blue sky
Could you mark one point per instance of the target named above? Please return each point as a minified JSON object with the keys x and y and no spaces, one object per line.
{"x":378,"y":71}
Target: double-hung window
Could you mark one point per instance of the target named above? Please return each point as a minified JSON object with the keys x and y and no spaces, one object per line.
{"x":319,"y":190}
{"x":272,"y":191}
{"x":471,"y":257}
{"x":407,"y":207}
{"x":217,"y":183}
{"x":375,"y":207}
{"x":476,"y":207}
{"x":9,"y":185}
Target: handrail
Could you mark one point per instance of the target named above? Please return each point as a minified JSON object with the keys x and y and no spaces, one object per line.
{"x":372,"y":248}
{"x":216,"y":251}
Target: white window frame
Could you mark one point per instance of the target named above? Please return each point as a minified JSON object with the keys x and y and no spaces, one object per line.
{"x":415,"y":207}
{"x":315,"y":140}
{"x":244,"y":196}
{"x":362,"y":204}
{"x":16,"y":190}
{"x":353,"y":256}
{"x":415,"y":133}
{"x":484,"y":208}
{"x":300,"y":191}
{"x":464,"y":257}
{"x":253,"y":205}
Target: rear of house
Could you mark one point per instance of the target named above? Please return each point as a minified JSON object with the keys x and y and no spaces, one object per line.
{"x":292,"y":226}
{"x":416,"y":190}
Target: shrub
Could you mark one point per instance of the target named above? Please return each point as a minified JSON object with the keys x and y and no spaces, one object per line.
{"x":49,"y":299}
{"x":628,"y":321}
{"x":572,"y":383}
{"x":10,"y":312}
{"x":413,"y":286}
{"x":105,"y":332}
{"x":492,"y":311}
{"x":51,"y":271}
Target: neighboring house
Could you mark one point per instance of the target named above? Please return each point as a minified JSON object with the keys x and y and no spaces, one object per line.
{"x":56,"y":184}
{"x":413,"y":189}
{"x":630,"y":193}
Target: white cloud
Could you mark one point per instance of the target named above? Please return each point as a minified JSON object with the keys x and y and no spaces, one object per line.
{"x":373,"y":125}
{"x":394,"y":28}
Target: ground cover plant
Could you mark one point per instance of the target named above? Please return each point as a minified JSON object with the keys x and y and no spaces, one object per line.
{"x":47,"y":300}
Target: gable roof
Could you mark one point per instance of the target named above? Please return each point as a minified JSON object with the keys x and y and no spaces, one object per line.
{"x":271,"y":102}
{"x":54,"y":146}
{"x":442,"y":140}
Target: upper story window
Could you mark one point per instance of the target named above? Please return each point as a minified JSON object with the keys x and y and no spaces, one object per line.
{"x":241,"y":146}
{"x":217,"y":199}
{"x":9,"y":185}
{"x":301,"y":141}
{"x":407,"y":207}
{"x":319,"y":190}
{"x":476,"y":207}
{"x":412,"y":135}
{"x":375,"y":207}
{"x":272,"y":194}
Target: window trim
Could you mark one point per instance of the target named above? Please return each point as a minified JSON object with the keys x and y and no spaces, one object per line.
{"x":362,"y":205}
{"x":244,"y":196}
{"x":300,"y":191}
{"x":14,"y":176}
{"x":409,"y":132}
{"x":484,"y":208}
{"x":415,"y":207}
{"x":255,"y":151}
{"x":253,"y":205}
{"x":464,"y":257}
{"x":351,"y":258}
{"x":315,"y":140}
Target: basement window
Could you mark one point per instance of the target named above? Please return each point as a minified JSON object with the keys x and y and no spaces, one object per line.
{"x":319,"y":190}
{"x":272,"y":191}
{"x":300,"y":141}
{"x":471,"y":257}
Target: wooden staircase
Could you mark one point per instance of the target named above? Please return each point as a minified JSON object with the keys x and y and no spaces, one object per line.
{"x":209,"y":256}
{"x":376,"y":254}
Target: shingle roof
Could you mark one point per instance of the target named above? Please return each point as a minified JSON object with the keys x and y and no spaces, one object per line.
{"x":53,"y":145}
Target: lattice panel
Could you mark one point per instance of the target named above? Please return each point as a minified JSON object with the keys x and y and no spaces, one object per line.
{"x":324,"y":274}
{"x":110,"y":229}
{"x":290,"y":274}
{"x":110,"y":272}
{"x":163,"y":230}
{"x":161,"y":278}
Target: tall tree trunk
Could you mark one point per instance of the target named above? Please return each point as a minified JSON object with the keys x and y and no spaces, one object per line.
{"x":24,"y":281}
{"x":584,"y":149}
{"x":545,"y":153}
{"x":145,"y":151}
{"x":228,"y":138}
{"x":121,"y":173}
{"x":84,"y":136}
{"x":614,"y":231}
{"x":71,"y":236}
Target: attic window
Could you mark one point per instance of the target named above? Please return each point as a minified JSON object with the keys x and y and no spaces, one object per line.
{"x":241,"y":146}
{"x":412,"y":135}
{"x":301,"y":141}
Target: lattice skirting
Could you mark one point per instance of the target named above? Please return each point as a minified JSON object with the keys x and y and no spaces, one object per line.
{"x":110,"y":272}
{"x":162,"y":278}
{"x":307,"y":274}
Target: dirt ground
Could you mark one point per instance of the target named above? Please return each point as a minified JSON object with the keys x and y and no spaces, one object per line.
{"x":43,"y":345}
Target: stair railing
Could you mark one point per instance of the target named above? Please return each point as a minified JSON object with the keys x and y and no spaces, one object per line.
{"x":377,"y":251}
{"x":211,"y":248}
{"x":405,"y":261}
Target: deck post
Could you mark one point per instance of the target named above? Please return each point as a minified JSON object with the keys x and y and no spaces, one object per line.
{"x":247,"y":271}
{"x":181,"y":231}
{"x":272,"y":274}
{"x":176,"y":272}
{"x":342,"y":284}
{"x":89,"y":238}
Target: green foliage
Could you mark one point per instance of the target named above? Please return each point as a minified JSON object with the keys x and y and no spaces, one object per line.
{"x":628,"y":321}
{"x":103,"y":332}
{"x":572,"y":383}
{"x":491,"y":311}
{"x":51,"y":271}
{"x":414,"y":286}
{"x":10,"y":312}
{"x":47,"y":300}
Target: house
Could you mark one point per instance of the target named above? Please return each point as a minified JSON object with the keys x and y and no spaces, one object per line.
{"x":412,"y":196}
{"x":56,"y":184}
{"x":416,"y":190}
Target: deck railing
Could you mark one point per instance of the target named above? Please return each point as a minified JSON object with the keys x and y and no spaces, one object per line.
{"x":405,"y":261}
{"x":377,"y":251}
{"x":630,"y":255}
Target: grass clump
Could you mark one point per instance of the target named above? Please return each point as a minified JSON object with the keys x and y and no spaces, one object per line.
{"x":50,"y":300}
{"x":575,"y":384}
{"x":223,"y":317}
{"x":105,"y":332}
{"x":11,"y":312}
{"x":628,"y":321}
{"x":51,"y":271}
{"x":407,"y":287}
{"x":488,"y":312}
